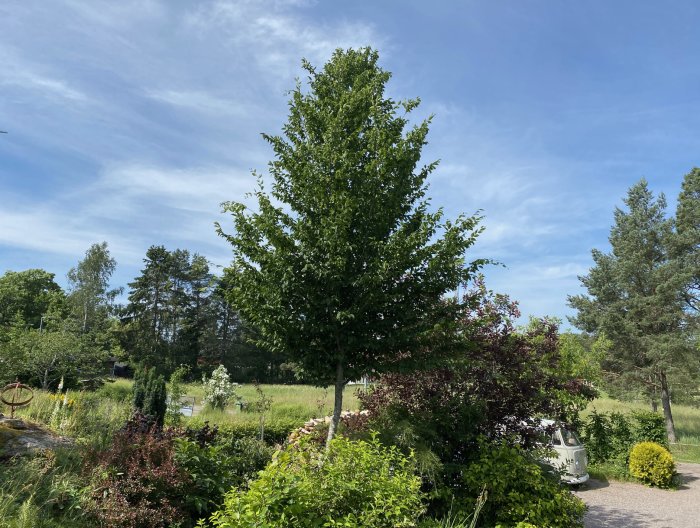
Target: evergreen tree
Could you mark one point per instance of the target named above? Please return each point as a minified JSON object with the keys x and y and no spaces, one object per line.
{"x":686,"y":249}
{"x":155,"y":398}
{"x":149,"y":394}
{"x":139,"y":388}
{"x":178,"y":314}
{"x":634,"y":300}
{"x":348,"y":272}
{"x":146,"y":314}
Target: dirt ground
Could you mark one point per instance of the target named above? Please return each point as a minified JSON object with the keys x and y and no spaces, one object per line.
{"x":626,"y":505}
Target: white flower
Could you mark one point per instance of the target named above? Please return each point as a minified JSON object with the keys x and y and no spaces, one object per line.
{"x":218,"y":389}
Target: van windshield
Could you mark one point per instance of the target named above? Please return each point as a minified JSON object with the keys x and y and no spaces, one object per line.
{"x":570,"y":438}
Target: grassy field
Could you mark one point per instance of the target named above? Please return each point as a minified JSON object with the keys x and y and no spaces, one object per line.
{"x":111,"y":404}
{"x":288,"y":402}
{"x":686,"y":419}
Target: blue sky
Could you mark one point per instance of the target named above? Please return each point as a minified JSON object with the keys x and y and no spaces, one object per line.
{"x":131,"y":121}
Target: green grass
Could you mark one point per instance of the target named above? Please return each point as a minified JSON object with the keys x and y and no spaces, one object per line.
{"x":686,"y":419}
{"x":89,"y":418}
{"x":289,"y":403}
{"x":108,"y":407}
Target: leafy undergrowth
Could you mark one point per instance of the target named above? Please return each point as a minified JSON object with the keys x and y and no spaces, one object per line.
{"x":686,"y":419}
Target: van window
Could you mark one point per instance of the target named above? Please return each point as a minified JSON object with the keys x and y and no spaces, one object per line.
{"x":570,"y":438}
{"x":556,"y":440}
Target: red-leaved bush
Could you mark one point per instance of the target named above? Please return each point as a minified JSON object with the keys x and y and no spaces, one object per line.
{"x":137,"y":483}
{"x":491,"y":387}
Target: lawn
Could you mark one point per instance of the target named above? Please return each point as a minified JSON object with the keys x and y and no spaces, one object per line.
{"x":288,"y":402}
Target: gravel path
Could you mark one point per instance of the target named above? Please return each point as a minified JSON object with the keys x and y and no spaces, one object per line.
{"x":626,"y":505}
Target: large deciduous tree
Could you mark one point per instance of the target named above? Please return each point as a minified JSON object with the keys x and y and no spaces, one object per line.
{"x":342,"y":265}
{"x":635,"y":299}
{"x":28,"y":295}
{"x":90,"y":294}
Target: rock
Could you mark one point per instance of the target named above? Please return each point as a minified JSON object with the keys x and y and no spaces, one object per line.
{"x":13,"y":423}
{"x":19,"y":438}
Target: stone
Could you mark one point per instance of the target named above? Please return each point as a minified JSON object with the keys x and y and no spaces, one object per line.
{"x":19,"y":438}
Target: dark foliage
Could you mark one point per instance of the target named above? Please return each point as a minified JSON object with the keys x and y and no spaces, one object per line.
{"x":152,"y":476}
{"x":150,"y":395}
{"x":137,"y":482}
{"x":202,"y":436}
{"x":500,"y":381}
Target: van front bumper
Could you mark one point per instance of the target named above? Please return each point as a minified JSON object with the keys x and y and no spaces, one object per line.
{"x":573,"y":480}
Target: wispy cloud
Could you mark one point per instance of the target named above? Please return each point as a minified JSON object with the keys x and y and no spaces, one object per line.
{"x":131,"y":121}
{"x":196,"y":190}
{"x":22,"y":73}
{"x":201,"y":102}
{"x":275,"y":34}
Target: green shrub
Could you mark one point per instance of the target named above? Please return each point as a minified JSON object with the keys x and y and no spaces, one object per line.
{"x":352,"y":484}
{"x":215,"y":467}
{"x":176,"y":390}
{"x":597,"y":437}
{"x":212,"y":474}
{"x":520,"y":491}
{"x":609,"y":437}
{"x":154,"y":403}
{"x":276,"y":432}
{"x":652,"y":464}
{"x":459,"y":518}
{"x":139,"y":388}
{"x":651,"y":427}
{"x":149,"y":395}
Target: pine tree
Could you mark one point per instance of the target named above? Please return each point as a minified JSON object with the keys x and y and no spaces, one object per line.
{"x":634,"y":300}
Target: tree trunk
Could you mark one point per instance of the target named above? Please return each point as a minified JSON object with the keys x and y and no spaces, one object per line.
{"x":654,"y":405}
{"x":666,"y":404}
{"x":338,"y":403}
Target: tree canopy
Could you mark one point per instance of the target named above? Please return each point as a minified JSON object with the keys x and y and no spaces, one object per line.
{"x":342,"y":264}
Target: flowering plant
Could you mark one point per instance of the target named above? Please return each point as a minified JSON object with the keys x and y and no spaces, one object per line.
{"x":218,"y":390}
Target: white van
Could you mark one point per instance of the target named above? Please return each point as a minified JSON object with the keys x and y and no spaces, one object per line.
{"x":570,"y":454}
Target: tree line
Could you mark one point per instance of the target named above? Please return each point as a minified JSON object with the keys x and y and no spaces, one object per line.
{"x":175,"y":313}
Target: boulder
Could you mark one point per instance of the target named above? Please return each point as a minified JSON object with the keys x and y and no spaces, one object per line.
{"x":18,"y":438}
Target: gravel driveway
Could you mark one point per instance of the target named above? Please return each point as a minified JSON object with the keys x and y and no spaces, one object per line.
{"x":626,"y":505}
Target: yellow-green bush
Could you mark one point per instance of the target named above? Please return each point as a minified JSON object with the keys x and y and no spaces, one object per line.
{"x":354,"y":484}
{"x":652,"y":464}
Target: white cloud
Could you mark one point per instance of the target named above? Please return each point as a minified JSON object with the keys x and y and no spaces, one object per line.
{"x":276,"y":35}
{"x":201,"y":102}
{"x":20,"y":72}
{"x":197,"y":190}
